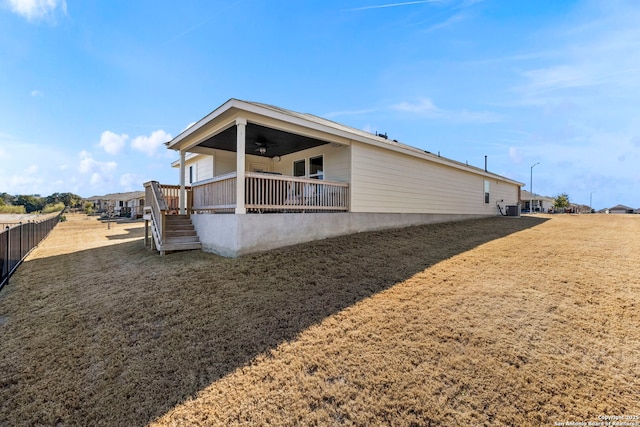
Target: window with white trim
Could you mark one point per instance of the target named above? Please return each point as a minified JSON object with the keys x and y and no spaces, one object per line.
{"x":487,"y":188}
{"x":316,"y":167}
{"x":299,"y":168}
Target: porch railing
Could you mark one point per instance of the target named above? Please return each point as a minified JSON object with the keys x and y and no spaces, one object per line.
{"x":216,"y":194}
{"x":271,"y":193}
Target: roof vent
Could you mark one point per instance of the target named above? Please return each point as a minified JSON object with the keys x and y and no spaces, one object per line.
{"x":382,"y":135}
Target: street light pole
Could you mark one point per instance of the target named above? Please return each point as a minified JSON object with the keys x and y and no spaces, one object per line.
{"x":531,"y":188}
{"x":590,"y":200}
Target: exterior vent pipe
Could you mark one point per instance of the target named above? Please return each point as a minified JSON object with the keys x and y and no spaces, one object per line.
{"x":485,"y":163}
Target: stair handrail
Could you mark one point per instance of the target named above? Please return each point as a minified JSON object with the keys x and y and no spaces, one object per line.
{"x":158,"y":208}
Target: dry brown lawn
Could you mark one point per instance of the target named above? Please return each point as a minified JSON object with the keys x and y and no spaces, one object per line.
{"x":529,"y":321}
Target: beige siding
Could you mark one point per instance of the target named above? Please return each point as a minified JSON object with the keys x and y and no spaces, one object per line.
{"x":225,"y":162}
{"x":336,"y":160}
{"x":386,"y":181}
{"x":203,"y":168}
{"x":336,"y":163}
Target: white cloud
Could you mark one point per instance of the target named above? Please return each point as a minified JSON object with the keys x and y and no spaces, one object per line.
{"x":113,"y":143}
{"x":32,"y":170}
{"x":36,"y":93}
{"x":384,"y":6}
{"x":131,"y":182}
{"x":426,"y":108}
{"x":100,"y":171}
{"x":350,"y":113}
{"x":597,"y":59}
{"x":150,"y":144}
{"x":188,"y":126}
{"x":369,"y":128}
{"x":447,"y":23}
{"x":96,"y":179}
{"x":38,"y":9}
{"x":515,"y":154}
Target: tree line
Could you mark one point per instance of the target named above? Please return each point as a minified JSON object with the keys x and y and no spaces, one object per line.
{"x":36,"y":203}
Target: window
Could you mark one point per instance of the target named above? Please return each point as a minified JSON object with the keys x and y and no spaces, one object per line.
{"x":316,"y":169}
{"x":487,"y":186}
{"x":299,"y":168}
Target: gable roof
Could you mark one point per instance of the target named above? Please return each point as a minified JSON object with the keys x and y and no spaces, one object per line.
{"x":526,"y":195}
{"x":620,"y":208}
{"x":119,"y":196}
{"x":234,"y":107}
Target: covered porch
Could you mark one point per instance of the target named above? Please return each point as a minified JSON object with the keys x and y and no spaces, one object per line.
{"x":236,"y":164}
{"x":261,"y":164}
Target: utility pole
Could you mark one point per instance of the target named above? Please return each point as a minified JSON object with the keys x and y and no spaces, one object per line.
{"x":531,"y":188}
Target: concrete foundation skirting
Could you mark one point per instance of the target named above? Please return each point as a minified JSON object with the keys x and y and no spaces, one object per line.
{"x":233,"y":235}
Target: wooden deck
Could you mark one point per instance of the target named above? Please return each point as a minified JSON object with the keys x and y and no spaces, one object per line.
{"x":264,"y":193}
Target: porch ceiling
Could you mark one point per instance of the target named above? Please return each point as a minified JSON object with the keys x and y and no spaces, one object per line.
{"x":277,"y":142}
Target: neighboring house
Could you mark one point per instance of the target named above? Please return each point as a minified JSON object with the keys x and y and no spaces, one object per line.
{"x":581,"y":208}
{"x":100,"y":204}
{"x":620,"y":209}
{"x":540,"y":203}
{"x":255,"y":177}
{"x":130,"y":204}
{"x":133,"y":205}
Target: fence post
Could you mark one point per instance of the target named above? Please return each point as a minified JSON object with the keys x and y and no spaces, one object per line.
{"x":21,"y":248}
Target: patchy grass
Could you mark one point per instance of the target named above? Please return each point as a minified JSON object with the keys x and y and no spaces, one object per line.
{"x":501,"y":321}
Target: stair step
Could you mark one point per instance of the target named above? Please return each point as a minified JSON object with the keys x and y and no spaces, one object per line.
{"x":178,"y":221}
{"x":181,"y":246}
{"x":178,"y":218}
{"x":182,"y":239}
{"x":180,"y":227}
{"x":178,"y":233}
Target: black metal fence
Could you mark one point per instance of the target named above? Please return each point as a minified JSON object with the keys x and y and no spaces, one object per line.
{"x":16,"y":242}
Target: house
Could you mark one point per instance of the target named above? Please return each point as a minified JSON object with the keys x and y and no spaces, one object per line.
{"x":128,"y":204}
{"x":620,"y":209}
{"x":255,"y":177}
{"x":133,"y":204}
{"x":539,"y":203}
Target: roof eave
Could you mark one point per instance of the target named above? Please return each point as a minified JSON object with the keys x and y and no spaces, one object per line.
{"x":347,"y":133}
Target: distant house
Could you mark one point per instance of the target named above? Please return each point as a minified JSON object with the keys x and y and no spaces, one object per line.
{"x":620,"y":209}
{"x":129,"y":205}
{"x":539,"y":203}
{"x":255,"y":177}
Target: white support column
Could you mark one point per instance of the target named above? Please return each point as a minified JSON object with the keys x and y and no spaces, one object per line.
{"x":241,"y":132}
{"x":183,"y":190}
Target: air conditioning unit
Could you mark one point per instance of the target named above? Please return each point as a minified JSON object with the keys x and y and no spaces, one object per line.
{"x":513,"y":210}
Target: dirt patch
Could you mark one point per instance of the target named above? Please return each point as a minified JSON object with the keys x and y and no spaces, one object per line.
{"x":525,"y":321}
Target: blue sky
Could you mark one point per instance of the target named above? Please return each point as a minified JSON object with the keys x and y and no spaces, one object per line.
{"x":89,"y":91}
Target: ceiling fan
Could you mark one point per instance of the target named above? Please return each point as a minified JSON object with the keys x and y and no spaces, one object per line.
{"x":261,"y":145}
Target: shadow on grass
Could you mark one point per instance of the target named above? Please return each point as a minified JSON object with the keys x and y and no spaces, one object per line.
{"x":131,"y":233}
{"x":119,"y":335}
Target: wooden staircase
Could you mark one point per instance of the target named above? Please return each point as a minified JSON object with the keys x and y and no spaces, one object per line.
{"x":169,"y":232}
{"x":180,"y":234}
